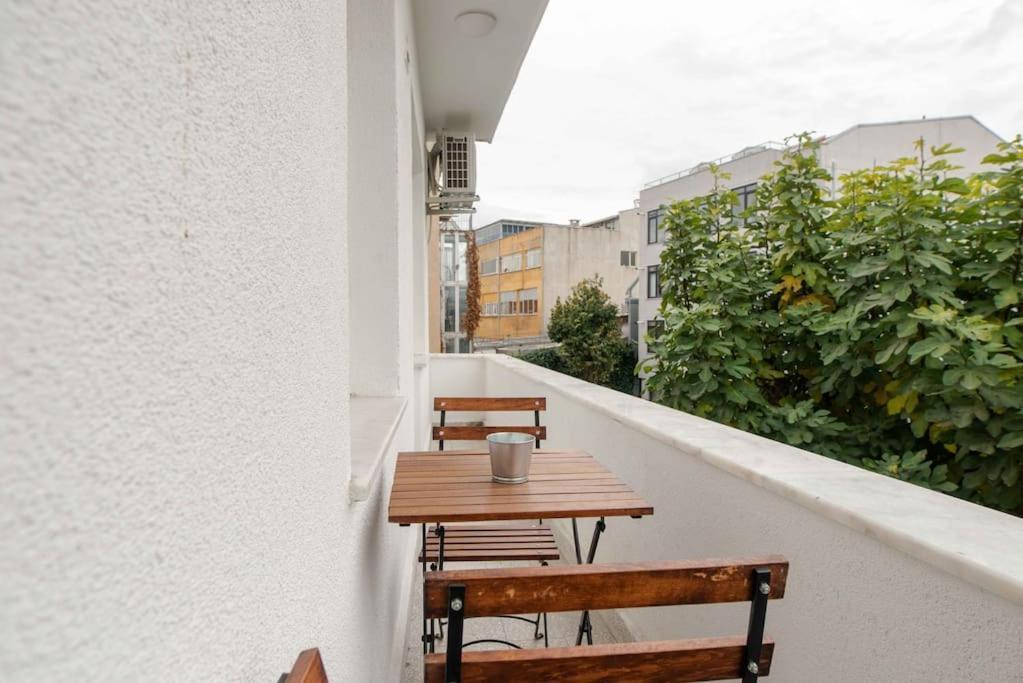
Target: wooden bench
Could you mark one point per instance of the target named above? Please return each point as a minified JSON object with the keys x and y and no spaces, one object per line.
{"x":487,"y":592}
{"x":308,"y":668}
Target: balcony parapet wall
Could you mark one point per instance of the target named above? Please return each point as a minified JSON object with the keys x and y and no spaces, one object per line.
{"x":889,"y":581}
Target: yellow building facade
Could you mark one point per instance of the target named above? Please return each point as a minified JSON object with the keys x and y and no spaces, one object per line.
{"x":511,"y":286}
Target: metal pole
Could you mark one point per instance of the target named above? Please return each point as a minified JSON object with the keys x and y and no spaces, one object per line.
{"x":757,"y":617}
{"x":456,"y":617}
{"x":425,"y":640}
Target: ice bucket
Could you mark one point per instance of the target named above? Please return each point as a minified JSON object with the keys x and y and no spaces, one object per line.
{"x":510,"y":454}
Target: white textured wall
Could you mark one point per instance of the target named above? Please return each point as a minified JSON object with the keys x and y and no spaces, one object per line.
{"x":373,"y":197}
{"x":173,"y":373}
{"x":866,"y":146}
{"x":858,"y":606}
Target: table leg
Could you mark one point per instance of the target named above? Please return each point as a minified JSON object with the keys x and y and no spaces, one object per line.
{"x":426,"y":638}
{"x":440,"y":567}
{"x":585,"y":627}
{"x":429,"y":626}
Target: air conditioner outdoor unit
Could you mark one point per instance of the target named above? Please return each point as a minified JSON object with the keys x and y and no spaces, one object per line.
{"x":453,"y":174}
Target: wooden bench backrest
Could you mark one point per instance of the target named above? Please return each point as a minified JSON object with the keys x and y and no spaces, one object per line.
{"x":490,"y":403}
{"x":446,"y":404}
{"x":573,"y":588}
{"x":308,"y":668}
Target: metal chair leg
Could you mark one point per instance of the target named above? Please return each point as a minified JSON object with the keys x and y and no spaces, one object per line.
{"x":536,"y":631}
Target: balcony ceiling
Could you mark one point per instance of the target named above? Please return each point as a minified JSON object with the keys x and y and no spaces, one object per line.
{"x":466,"y":80}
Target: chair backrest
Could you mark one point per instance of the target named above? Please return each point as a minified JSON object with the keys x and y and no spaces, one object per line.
{"x":444,"y":405}
{"x":457,"y":595}
{"x":308,"y":669}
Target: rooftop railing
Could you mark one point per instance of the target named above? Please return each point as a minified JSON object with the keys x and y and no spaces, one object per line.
{"x":720,"y":161}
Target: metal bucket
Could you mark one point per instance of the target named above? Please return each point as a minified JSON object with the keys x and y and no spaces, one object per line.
{"x":510,"y":454}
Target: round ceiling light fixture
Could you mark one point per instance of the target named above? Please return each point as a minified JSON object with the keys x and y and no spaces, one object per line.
{"x":475,"y":23}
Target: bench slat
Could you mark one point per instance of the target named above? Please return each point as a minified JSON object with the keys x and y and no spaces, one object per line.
{"x":490,"y":403}
{"x":571,"y":588}
{"x":478,"y":529}
{"x":705,"y":659}
{"x":493,"y":555}
{"x":522,"y":543}
{"x":479,"y":433}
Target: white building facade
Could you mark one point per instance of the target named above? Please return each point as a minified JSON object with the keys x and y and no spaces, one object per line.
{"x":605,"y":248}
{"x":861,"y":146}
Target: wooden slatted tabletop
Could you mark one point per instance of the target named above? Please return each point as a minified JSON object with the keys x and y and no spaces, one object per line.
{"x":455,"y":486}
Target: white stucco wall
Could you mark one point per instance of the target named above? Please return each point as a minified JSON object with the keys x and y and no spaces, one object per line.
{"x":873,"y":145}
{"x":888,"y":581}
{"x":174,"y":377}
{"x":373,"y":198}
{"x":572,"y":254}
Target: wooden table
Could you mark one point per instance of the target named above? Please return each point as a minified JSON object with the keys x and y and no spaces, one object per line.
{"x":455,"y":486}
{"x":436,"y":487}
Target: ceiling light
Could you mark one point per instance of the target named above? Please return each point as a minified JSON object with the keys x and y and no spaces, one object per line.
{"x":476,"y":24}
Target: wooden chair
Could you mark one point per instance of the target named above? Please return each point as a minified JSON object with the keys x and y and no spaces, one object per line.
{"x":308,"y":668}
{"x":487,"y":592}
{"x":490,"y":542}
{"x":445,"y":405}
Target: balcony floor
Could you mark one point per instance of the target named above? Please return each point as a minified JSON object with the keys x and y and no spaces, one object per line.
{"x":562,"y":627}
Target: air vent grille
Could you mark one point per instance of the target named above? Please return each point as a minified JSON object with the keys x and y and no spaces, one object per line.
{"x":457,"y":172}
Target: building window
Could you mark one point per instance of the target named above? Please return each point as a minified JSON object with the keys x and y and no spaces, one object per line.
{"x":745,"y":197}
{"x":628,"y":258}
{"x":527,"y":302}
{"x":513,"y":229}
{"x":489,"y":308}
{"x":653,"y":282}
{"x":534,"y":258}
{"x":654,"y":329}
{"x":511,"y":263}
{"x":653,"y":226}
{"x":450,"y":316}
{"x":507,"y":303}
{"x":488,"y":267}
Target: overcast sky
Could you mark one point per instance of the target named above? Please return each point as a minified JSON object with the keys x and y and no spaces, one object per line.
{"x":614,"y":93}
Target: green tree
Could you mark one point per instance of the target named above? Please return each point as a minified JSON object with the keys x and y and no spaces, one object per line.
{"x":586,"y":325}
{"x":881,"y":328}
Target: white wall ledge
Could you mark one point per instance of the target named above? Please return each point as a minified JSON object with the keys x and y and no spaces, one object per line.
{"x":976,"y":544}
{"x":375,"y":421}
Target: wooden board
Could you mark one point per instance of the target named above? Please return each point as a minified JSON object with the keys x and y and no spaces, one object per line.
{"x":476,"y":433}
{"x":308,"y":668}
{"x":434,"y":486}
{"x":570,"y":588}
{"x":482,"y":403}
{"x":494,"y":552}
{"x":705,"y":659}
